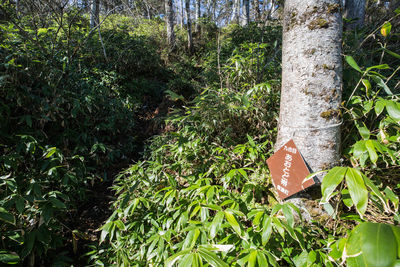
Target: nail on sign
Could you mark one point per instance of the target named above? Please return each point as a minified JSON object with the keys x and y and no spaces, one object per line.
{"x":288,"y":171}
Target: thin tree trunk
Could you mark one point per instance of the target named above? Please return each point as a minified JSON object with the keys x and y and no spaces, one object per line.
{"x":246,"y":12}
{"x":189,"y":26}
{"x":355,"y":10}
{"x":95,"y":14}
{"x":182,"y":13}
{"x":256,"y":6}
{"x":235,"y":12}
{"x":198,"y":15}
{"x":312,"y":80}
{"x":169,"y":12}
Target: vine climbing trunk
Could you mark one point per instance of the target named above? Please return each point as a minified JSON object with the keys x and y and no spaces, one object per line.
{"x":312,"y":80}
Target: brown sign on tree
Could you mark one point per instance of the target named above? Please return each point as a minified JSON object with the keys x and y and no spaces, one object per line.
{"x":288,"y":171}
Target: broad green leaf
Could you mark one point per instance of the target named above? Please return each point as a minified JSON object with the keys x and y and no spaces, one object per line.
{"x":267,"y":230}
{"x":216,"y":224}
{"x":211,"y":258}
{"x":171,"y":260}
{"x":379,"y":106}
{"x":363,"y":130}
{"x":350,"y":60}
{"x":57,"y":203}
{"x":233,"y":222}
{"x":375,"y":190}
{"x":262,"y":260}
{"x":396,"y":232}
{"x":8,"y":258}
{"x":186,"y":261}
{"x":252,"y":259}
{"x":331,"y":180}
{"x":371,"y":150}
{"x":382,"y":84}
{"x":358,"y":191}
{"x":359,"y":149}
{"x":393,"y":109}
{"x":6,"y":216}
{"x":378,"y":244}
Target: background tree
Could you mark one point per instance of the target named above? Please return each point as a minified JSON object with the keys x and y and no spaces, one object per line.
{"x":246,"y":12}
{"x":169,"y":20}
{"x":198,"y":14}
{"x":189,"y":26}
{"x":95,"y":14}
{"x":312,"y":80}
{"x":235,"y":12}
{"x":354,"y":11}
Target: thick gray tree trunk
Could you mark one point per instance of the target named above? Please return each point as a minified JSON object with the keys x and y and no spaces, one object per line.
{"x":355,"y":10}
{"x":246,"y":12}
{"x":169,"y":20}
{"x":235,"y":12}
{"x":312,"y":80}
{"x":189,"y":26}
{"x":95,"y":14}
{"x":198,"y":15}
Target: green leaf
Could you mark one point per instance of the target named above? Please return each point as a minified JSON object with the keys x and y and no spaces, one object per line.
{"x":252,"y":259}
{"x":8,"y":258}
{"x":396,"y":232}
{"x":379,"y":106}
{"x":57,"y":203}
{"x":6,"y":216}
{"x":357,"y":189}
{"x":378,"y":244}
{"x":371,"y":150}
{"x":363,"y":130}
{"x":261,"y":259}
{"x":211,"y":258}
{"x":267,"y":230}
{"x":216,"y":224}
{"x":393,"y":109}
{"x":350,"y":60}
{"x":381,"y":84}
{"x":186,"y":260}
{"x":331,"y":180}
{"x":171,"y":260}
{"x":233,"y":222}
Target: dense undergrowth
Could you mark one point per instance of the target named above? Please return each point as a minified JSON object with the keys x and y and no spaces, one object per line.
{"x":74,"y":105}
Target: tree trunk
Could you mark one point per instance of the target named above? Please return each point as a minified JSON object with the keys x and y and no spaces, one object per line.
{"x":256,"y":5}
{"x":95,"y":14}
{"x":246,"y":12}
{"x":169,"y":20}
{"x":312,"y":80}
{"x":182,"y":13}
{"x":189,"y":26}
{"x":235,"y":12}
{"x":198,"y":15}
{"x":354,"y":10}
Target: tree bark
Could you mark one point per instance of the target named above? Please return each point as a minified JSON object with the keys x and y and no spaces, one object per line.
{"x":235,"y":12}
{"x":182,"y":13}
{"x":312,"y":80}
{"x":95,"y":14}
{"x":256,"y":6}
{"x":189,"y":26}
{"x":354,"y":10}
{"x":169,"y":20}
{"x":246,"y":12}
{"x":198,"y":15}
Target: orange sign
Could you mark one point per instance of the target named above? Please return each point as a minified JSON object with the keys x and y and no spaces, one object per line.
{"x":288,"y":170}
